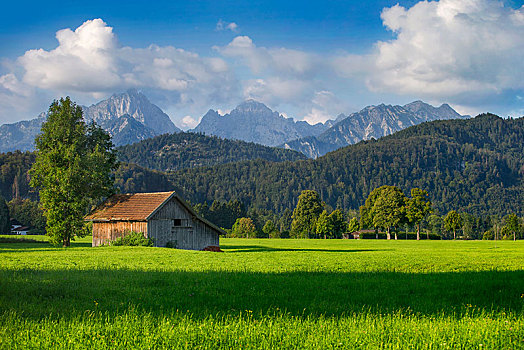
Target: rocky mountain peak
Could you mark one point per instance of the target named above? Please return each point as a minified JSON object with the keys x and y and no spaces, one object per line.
{"x":252,"y":106}
{"x":136,"y":105}
{"x":128,"y":117}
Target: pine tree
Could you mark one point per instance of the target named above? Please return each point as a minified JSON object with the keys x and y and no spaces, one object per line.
{"x":5,"y":223}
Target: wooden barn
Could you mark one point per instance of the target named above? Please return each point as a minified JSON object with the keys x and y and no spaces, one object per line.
{"x":162,"y":216}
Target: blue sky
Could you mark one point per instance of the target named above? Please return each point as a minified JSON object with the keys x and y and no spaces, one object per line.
{"x":310,"y":59}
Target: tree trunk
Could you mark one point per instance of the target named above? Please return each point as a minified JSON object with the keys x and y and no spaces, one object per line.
{"x":395,"y":235}
{"x":388,"y":234}
{"x":418,"y":232}
{"x":454,"y":235}
{"x":514,"y":236}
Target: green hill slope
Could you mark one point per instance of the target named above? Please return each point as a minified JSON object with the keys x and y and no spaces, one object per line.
{"x":475,"y":165}
{"x":171,"y":152}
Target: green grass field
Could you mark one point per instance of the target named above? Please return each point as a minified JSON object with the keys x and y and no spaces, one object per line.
{"x":264,"y":294}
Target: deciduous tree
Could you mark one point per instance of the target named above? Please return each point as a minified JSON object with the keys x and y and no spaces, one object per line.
{"x":389,"y":208}
{"x":338,"y":221}
{"x":72,"y":170}
{"x":324,"y":228}
{"x":244,"y":228}
{"x":452,"y":222}
{"x":418,"y":207}
{"x":305,"y":215}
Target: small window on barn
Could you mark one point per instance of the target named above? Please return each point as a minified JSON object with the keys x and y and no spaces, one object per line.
{"x":177,"y":222}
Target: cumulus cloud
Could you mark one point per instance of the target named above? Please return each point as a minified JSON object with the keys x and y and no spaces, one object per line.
{"x":276,"y":60}
{"x":85,"y":60}
{"x":89,"y":60}
{"x":221,"y":25}
{"x":445,"y":49}
{"x":325,"y":105}
{"x":188,"y":122}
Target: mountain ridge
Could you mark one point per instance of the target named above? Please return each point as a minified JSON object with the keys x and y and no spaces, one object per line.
{"x":148,"y":121}
{"x":370,"y":122}
{"x":253,"y":121}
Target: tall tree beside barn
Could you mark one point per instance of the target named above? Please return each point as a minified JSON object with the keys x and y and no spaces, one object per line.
{"x":72,"y":170}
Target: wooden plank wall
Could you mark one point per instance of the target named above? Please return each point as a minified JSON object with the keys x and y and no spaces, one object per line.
{"x":105,"y":232}
{"x":192,"y":234}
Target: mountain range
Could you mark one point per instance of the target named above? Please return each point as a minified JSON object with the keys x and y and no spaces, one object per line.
{"x":128,"y":117}
{"x":370,"y":122}
{"x":472,"y":165}
{"x":253,"y":121}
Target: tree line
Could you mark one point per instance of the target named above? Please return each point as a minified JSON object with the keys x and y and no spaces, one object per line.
{"x":386,"y":212}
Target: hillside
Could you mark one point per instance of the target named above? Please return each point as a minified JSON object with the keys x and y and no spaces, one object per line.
{"x":474,"y":165}
{"x":171,"y":152}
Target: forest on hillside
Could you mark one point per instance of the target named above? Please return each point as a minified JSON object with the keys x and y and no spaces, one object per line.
{"x":171,"y":152}
{"x":475,"y":166}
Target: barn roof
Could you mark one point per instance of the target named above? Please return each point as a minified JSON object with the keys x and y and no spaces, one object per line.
{"x":129,"y":207}
{"x":139,"y":207}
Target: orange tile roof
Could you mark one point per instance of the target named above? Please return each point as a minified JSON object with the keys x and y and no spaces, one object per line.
{"x":128,"y":207}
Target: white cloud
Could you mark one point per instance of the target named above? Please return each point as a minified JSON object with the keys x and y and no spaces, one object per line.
{"x":188,"y":122}
{"x":221,"y":25}
{"x":325,"y":106}
{"x":85,"y":60}
{"x":273,"y":60}
{"x":89,"y":61}
{"x":450,"y":49}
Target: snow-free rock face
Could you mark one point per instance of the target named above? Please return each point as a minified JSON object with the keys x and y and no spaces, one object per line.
{"x":126,"y":130}
{"x":129,"y":117}
{"x":370,"y":122}
{"x":253,"y":121}
{"x":20,"y":135}
{"x":134,"y":104}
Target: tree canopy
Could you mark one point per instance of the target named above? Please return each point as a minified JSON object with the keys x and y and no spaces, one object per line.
{"x":418,"y":207}
{"x":453,"y":222}
{"x":305,"y":215}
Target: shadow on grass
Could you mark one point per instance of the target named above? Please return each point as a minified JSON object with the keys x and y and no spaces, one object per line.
{"x":260,"y":248}
{"x":69,"y":293}
{"x":42,"y":246}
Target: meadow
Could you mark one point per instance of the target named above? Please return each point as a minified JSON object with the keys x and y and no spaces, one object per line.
{"x":263,"y":293}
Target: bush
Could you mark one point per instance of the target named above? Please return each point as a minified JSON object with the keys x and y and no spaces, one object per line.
{"x":134,"y":239}
{"x":400,"y":236}
{"x":171,"y":244}
{"x":274,"y":234}
{"x":284,"y":234}
{"x":488,"y":235}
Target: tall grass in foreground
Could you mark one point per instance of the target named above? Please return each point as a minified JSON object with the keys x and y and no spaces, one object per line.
{"x":132,"y":329}
{"x":264,"y":294}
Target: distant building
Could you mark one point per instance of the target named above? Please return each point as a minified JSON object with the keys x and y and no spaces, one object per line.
{"x":17,"y":228}
{"x":357,"y":234}
{"x":162,"y":216}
